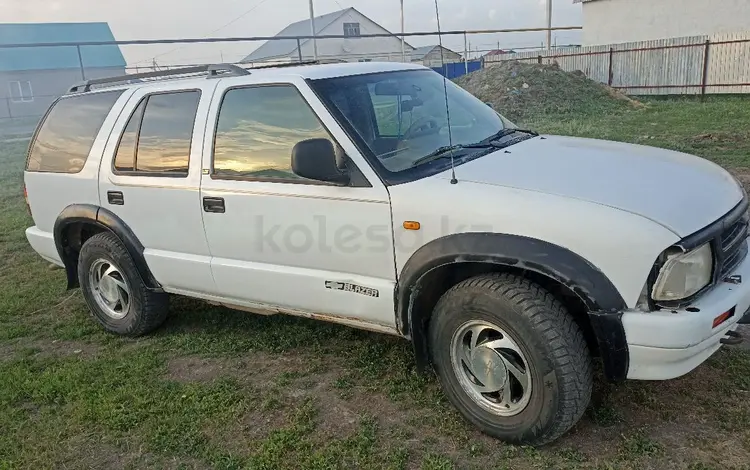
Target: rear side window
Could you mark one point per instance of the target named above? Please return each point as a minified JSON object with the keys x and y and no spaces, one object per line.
{"x":64,"y":139}
{"x":158,"y":136}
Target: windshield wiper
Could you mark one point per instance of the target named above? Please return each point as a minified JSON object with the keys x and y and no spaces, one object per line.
{"x":504,"y":133}
{"x":442,"y":151}
{"x":482,"y":144}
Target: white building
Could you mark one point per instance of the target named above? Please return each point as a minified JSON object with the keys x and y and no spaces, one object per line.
{"x":348,"y":22}
{"x":434,"y":56}
{"x":616,"y":21}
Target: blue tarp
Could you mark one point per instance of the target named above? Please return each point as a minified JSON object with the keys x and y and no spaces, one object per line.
{"x":457,"y":69}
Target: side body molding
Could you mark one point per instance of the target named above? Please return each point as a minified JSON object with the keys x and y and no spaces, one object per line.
{"x":104,"y":220}
{"x":602,"y":300}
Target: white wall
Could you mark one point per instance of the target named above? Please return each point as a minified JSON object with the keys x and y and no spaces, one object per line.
{"x":381,"y":48}
{"x":46,"y":87}
{"x":433,"y":59}
{"x":616,"y":21}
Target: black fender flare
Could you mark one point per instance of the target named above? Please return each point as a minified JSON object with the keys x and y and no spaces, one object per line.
{"x":107,"y":220}
{"x":601,"y":298}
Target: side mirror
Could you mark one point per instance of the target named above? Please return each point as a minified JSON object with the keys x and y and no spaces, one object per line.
{"x":315,"y":159}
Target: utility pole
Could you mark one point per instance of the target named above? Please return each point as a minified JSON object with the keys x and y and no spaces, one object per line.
{"x":549,"y":25}
{"x":312,"y":31}
{"x":403,"y":53}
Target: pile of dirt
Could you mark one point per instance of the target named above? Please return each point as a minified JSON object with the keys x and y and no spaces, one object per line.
{"x":522,"y":91}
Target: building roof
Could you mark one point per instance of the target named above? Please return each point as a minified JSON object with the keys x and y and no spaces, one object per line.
{"x":420,"y":52}
{"x":56,"y":57}
{"x":500,"y":52}
{"x":285,"y":47}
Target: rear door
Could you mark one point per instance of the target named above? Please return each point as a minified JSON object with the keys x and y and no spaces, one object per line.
{"x":283,"y":241}
{"x":150,"y":178}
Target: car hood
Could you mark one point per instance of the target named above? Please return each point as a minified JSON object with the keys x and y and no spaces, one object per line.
{"x":682,"y":192}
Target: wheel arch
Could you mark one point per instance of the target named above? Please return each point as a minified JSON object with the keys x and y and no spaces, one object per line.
{"x":584,"y":289}
{"x":78,"y":222}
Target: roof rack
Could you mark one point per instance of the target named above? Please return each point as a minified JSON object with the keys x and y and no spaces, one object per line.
{"x":213,"y":70}
{"x":281,"y":64}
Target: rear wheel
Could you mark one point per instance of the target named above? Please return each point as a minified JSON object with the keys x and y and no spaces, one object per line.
{"x":114,"y":291}
{"x":511,"y":358}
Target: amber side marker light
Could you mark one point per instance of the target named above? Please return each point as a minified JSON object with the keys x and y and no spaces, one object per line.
{"x":724,"y":317}
{"x":411,"y":225}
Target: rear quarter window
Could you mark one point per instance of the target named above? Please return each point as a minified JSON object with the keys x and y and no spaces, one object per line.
{"x":64,"y":139}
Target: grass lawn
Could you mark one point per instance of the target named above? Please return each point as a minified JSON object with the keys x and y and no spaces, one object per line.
{"x":216,"y":388}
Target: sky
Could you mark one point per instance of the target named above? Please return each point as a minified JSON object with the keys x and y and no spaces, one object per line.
{"x":168,"y":19}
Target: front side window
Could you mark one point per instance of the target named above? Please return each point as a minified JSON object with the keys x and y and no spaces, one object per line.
{"x":351,"y":30}
{"x":158,"y":136}
{"x":402,"y":118}
{"x":20,"y":91}
{"x":257,"y":129}
{"x":63,"y":141}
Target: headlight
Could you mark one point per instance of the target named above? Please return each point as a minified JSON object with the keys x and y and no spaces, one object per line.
{"x":683,"y":274}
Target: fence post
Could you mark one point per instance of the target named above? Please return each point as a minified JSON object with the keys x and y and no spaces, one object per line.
{"x":466,"y":54}
{"x":704,"y":79}
{"x":539,"y":58}
{"x":80,"y":62}
{"x":609,"y":77}
{"x":299,"y":50}
{"x":10,"y":112}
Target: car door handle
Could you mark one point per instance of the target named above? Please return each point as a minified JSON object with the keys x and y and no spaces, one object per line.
{"x":116,"y":198}
{"x":214,"y":204}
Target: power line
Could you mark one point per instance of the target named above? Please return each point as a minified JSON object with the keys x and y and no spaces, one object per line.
{"x":261,"y":2}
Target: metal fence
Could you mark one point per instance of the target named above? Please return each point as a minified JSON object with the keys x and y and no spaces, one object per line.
{"x":690,"y":65}
{"x":696,"y":65}
{"x":20,"y":115}
{"x":17,"y":119}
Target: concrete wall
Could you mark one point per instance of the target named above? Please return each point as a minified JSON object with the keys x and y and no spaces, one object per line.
{"x":46,"y":86}
{"x":617,"y":21}
{"x":354,"y":49}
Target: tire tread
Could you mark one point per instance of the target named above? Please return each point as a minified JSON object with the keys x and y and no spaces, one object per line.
{"x":569,"y":352}
{"x":152,"y":306}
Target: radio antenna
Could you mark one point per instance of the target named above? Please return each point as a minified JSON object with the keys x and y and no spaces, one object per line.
{"x":445,"y":93}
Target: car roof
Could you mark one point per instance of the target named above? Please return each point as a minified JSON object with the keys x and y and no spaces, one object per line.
{"x":306,"y":71}
{"x":343,"y":69}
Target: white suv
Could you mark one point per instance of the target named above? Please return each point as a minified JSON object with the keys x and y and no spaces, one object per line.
{"x":381,"y":197}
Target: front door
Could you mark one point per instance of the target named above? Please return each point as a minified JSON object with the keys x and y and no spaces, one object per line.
{"x":278,"y":240}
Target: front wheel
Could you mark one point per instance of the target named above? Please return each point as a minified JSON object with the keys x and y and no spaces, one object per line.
{"x":510,"y":358}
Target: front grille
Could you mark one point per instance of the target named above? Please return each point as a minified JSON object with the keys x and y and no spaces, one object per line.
{"x":733,"y":246}
{"x":733,"y":234}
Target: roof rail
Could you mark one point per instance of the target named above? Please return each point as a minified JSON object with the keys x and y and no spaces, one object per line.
{"x":280,"y":64}
{"x":213,"y":70}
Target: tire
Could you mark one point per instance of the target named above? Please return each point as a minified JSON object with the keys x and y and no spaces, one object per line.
{"x":136,"y":310}
{"x":554,"y":358}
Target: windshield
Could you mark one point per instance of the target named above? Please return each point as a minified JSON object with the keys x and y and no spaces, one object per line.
{"x":402,"y":118}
